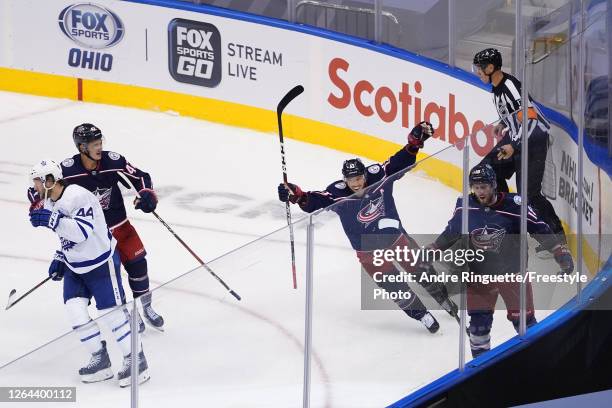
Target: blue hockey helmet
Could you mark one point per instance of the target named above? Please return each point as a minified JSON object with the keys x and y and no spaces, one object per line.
{"x":85,"y":133}
{"x":483,"y":174}
{"x":353,"y":168}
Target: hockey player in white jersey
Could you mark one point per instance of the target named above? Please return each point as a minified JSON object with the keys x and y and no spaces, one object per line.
{"x":89,"y":265}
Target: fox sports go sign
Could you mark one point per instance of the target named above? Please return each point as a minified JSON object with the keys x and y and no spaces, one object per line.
{"x":91,"y":26}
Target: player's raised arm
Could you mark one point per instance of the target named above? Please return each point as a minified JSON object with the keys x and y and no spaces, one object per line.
{"x":406,"y":156}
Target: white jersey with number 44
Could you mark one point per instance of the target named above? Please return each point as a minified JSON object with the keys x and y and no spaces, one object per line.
{"x":82,"y":230}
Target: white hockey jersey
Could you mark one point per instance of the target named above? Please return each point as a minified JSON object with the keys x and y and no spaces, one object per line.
{"x":83,"y":233}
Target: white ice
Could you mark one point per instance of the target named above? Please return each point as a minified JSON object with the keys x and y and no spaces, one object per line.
{"x":217,"y":188}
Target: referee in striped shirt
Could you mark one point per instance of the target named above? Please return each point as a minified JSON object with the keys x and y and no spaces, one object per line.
{"x":505,"y":158}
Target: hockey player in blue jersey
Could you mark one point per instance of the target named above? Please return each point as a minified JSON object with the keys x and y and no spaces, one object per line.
{"x":89,"y":265}
{"x":96,"y":170}
{"x":366,"y":207}
{"x":494,"y":227}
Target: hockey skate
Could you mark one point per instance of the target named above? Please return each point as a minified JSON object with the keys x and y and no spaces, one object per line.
{"x":98,"y":368}
{"x":430,"y":322}
{"x":451,"y":308}
{"x":152,"y":318}
{"x":124,"y":375}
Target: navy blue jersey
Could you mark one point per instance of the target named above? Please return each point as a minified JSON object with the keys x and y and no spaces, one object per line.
{"x":496,"y":230}
{"x":371,"y":214}
{"x":102,"y":181}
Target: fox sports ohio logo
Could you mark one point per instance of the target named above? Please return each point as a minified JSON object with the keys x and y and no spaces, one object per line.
{"x":91,"y":26}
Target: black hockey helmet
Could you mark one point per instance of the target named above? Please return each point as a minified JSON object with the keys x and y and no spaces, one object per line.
{"x":486,"y":57}
{"x":353,"y":168}
{"x":483,"y":174}
{"x":85,"y":133}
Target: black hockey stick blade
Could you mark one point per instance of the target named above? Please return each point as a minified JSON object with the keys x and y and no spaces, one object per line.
{"x":291,"y":95}
{"x":10,"y":299}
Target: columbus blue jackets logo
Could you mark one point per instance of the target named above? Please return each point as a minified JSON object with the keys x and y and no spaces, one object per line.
{"x":488,"y":238}
{"x":104,"y":197}
{"x":91,"y":26}
{"x":372,"y":211}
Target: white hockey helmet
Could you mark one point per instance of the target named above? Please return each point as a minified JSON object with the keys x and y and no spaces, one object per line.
{"x":45,"y":167}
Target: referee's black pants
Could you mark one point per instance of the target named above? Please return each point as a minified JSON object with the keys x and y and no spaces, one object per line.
{"x":504,"y":169}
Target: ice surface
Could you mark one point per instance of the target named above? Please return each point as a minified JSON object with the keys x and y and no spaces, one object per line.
{"x":217,"y":189}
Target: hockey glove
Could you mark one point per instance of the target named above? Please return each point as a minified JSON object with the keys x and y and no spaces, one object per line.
{"x":36,"y":203}
{"x":57,"y":267}
{"x":147,"y":201}
{"x":293,"y":194}
{"x":45,"y":218}
{"x":418,"y":135}
{"x":564,"y":259}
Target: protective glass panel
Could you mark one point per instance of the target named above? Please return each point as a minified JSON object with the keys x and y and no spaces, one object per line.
{"x":223,"y":352}
{"x":268,"y":8}
{"x":354,"y":18}
{"x":369,"y":330}
{"x":51,"y":372}
{"x":587,"y":109}
{"x":408,"y":25}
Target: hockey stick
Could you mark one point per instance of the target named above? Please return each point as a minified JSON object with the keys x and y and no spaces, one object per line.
{"x":12,"y":303}
{"x":234,"y":294}
{"x":291,"y":95}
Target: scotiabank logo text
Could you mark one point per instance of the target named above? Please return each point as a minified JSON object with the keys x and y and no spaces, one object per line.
{"x":387,"y":104}
{"x":194,"y":52}
{"x":90,"y":26}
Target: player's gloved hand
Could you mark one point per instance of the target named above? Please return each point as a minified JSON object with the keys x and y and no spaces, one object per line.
{"x":291,"y":193}
{"x":33,"y":195}
{"x":36,"y":203}
{"x":57,"y":267}
{"x":418,"y":135}
{"x":564,"y":259}
{"x":147,"y":201}
{"x":45,"y":218}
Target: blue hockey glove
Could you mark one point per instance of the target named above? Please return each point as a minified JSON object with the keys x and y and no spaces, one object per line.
{"x":45,"y":218}
{"x":57,"y":267}
{"x":418,"y":135}
{"x":147,"y":201}
{"x":564,"y":259}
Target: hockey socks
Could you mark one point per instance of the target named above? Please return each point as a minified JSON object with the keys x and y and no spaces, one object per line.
{"x":118,"y":320}
{"x":86,"y":329}
{"x":138,"y":277}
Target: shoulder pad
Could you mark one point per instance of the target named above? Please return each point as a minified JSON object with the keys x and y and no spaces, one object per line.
{"x":113,"y":155}
{"x":337,"y":188}
{"x":374,"y":169}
